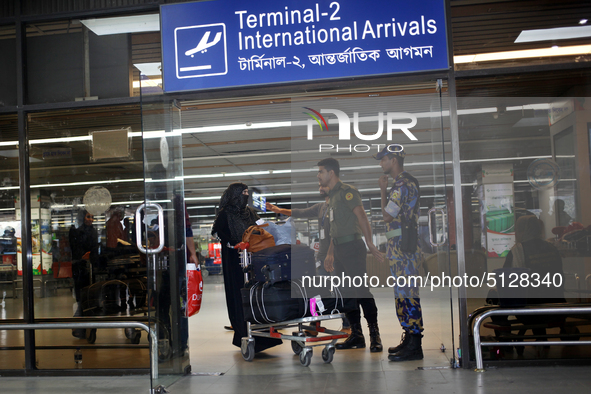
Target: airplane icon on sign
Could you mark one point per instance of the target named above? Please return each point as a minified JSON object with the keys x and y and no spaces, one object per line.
{"x":200,"y":50}
{"x":203,"y":44}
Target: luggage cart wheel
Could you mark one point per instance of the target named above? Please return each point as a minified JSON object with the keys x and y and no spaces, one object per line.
{"x":306,"y":356}
{"x":91,"y":336}
{"x":328,"y":354}
{"x":247,"y":349}
{"x":295,"y":346}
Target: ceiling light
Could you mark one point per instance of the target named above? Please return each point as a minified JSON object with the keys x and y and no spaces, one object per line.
{"x":583,"y":21}
{"x":124,"y":24}
{"x":149,"y":69}
{"x":559,"y":33}
{"x":524,"y":54}
{"x":148,"y":83}
{"x":61,"y":139}
{"x":240,"y":126}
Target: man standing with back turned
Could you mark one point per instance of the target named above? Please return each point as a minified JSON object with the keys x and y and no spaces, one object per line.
{"x":348,"y":222}
{"x":400,"y":209}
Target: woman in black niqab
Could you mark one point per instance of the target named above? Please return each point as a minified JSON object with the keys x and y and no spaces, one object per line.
{"x":233,"y":218}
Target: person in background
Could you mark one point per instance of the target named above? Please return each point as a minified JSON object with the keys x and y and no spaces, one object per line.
{"x":233,"y":218}
{"x":563,"y":218}
{"x":541,"y":257}
{"x":181,"y":247}
{"x":84,"y":245}
{"x":115,"y":231}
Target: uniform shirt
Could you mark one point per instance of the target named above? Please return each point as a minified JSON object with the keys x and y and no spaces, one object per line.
{"x":320,"y":211}
{"x":403,"y":198}
{"x":343,"y":199}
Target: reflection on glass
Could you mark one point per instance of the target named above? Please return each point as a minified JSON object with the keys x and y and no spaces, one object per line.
{"x":266,"y":146}
{"x":529,"y":211}
{"x":11,"y":307}
{"x":85,"y":261}
{"x":8,"y":66}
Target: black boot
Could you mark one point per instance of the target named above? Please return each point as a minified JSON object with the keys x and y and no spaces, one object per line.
{"x":412,"y":351}
{"x":403,"y":342}
{"x":375,"y":342}
{"x":355,"y":340}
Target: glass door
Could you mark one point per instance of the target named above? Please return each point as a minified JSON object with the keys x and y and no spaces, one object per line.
{"x":525,"y":175}
{"x":353,"y":130}
{"x":86,"y":180}
{"x":265,"y":145}
{"x":164,"y":231}
{"x":11,"y":308}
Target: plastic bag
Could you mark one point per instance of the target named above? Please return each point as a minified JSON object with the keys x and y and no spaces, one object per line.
{"x":284,"y":234}
{"x":194,"y":289}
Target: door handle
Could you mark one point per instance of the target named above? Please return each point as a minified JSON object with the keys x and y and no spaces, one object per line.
{"x":138,"y":228}
{"x":432,"y":241}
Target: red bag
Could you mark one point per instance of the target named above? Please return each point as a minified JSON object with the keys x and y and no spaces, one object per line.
{"x":194,"y":289}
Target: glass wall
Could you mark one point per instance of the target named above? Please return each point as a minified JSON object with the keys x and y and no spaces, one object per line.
{"x":525,"y":176}
{"x":87,"y":180}
{"x":263,"y":144}
{"x":11,"y":305}
{"x":8,"y":66}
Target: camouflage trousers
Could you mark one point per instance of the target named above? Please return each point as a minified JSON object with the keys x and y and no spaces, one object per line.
{"x":408,"y":302}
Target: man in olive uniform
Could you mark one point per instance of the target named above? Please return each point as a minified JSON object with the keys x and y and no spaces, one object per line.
{"x":400,"y":209}
{"x":348,"y":253}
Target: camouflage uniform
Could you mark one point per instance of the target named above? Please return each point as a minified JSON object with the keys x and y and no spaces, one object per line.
{"x":402,"y":200}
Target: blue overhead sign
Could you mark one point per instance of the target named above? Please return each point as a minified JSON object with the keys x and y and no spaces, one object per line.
{"x":222,"y":43}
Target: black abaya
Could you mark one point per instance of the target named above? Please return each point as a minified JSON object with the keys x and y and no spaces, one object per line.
{"x":234,"y":281}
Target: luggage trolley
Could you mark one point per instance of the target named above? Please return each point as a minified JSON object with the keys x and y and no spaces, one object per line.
{"x":112,"y":296}
{"x":301,"y":344}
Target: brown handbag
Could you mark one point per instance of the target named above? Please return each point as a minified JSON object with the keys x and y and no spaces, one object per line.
{"x":258,"y":238}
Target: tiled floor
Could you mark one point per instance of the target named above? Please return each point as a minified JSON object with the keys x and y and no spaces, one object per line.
{"x":539,"y":380}
{"x":218,"y":367}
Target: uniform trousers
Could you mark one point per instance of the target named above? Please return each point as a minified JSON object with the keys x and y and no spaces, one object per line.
{"x":350,"y":260}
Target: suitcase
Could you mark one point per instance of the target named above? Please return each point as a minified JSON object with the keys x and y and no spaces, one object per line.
{"x":271,"y":304}
{"x":283,"y":262}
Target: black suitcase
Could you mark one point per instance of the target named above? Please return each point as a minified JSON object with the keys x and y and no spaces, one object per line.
{"x":264,"y":304}
{"x":283,"y":262}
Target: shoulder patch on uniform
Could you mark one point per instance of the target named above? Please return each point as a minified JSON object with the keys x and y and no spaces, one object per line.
{"x":349,"y":196}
